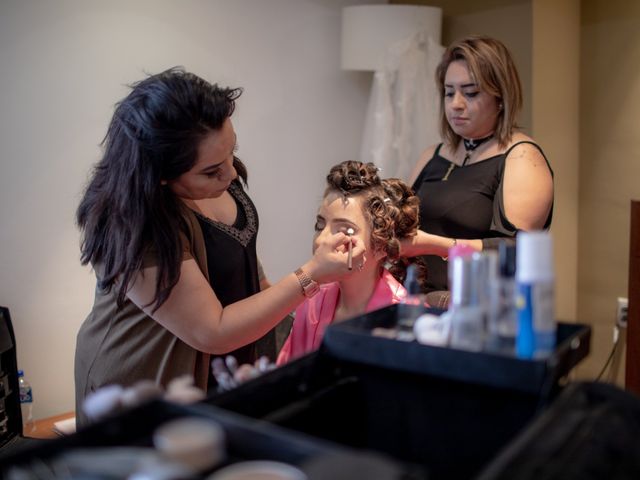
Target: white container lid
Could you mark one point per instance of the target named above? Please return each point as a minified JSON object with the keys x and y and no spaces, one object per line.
{"x":197,"y":443}
{"x":259,"y":470}
{"x":534,"y":257}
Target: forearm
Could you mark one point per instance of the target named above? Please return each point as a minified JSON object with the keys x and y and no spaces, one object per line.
{"x":247,"y":320}
{"x":194,"y":314}
{"x":428,"y":244}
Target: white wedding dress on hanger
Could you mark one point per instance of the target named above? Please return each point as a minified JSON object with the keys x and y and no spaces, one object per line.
{"x":403,"y":110}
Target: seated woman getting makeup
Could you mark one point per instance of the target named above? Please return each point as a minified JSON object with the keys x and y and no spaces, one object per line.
{"x":379,"y":213}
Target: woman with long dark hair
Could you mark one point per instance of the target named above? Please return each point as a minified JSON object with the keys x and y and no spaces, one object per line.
{"x":171,"y":235}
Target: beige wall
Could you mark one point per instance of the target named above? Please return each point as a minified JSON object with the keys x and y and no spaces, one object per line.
{"x":555,"y":115}
{"x":609,"y":164}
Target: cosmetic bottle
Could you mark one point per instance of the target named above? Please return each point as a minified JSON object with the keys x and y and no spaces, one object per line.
{"x":535,"y":279}
{"x":412,"y":306}
{"x":502,"y":313}
{"x":467,"y":313}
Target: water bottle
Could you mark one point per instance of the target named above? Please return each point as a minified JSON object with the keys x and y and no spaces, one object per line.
{"x":535,"y":298}
{"x":26,"y":403}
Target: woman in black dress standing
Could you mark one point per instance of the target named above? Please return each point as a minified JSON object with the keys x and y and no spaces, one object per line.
{"x":487,"y":179}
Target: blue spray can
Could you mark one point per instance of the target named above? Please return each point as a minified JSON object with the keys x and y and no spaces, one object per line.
{"x":535,"y":283}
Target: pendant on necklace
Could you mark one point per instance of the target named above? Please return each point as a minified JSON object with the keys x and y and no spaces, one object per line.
{"x":446,"y":175}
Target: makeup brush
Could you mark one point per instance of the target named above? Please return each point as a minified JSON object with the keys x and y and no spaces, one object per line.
{"x":350,"y":231}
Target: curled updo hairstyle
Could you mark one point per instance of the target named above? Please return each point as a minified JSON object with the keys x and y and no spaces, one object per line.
{"x":127,"y":210}
{"x":389,"y":205}
{"x":492,"y":67}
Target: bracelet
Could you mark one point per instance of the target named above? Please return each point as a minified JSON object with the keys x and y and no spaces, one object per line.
{"x":309,"y":287}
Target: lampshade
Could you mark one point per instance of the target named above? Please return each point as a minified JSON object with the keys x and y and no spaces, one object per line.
{"x":369,"y":30}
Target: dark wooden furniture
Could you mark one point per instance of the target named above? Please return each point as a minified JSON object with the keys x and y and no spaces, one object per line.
{"x":632,"y":371}
{"x":10,"y":415}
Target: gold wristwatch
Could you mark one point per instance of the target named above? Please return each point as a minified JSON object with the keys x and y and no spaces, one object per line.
{"x":309,"y":287}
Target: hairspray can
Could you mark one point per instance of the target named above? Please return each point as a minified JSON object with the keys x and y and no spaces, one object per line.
{"x":536,"y":335}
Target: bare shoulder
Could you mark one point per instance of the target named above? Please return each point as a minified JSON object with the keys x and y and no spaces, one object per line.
{"x":426,"y":155}
{"x":524,"y":153}
{"x":528,"y":185}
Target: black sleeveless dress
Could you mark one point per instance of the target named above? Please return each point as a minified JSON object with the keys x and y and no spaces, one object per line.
{"x":467,"y":205}
{"x":233,"y":266}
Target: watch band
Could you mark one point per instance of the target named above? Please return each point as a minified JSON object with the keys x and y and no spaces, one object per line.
{"x":309,"y":286}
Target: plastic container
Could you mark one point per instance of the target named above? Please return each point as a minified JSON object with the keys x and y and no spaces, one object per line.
{"x":26,"y":403}
{"x":466,"y":314}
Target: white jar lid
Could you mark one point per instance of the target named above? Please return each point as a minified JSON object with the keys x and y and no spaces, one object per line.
{"x":195,"y":442}
{"x":259,"y":470}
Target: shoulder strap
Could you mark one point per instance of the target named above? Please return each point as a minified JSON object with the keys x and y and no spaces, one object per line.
{"x":418,"y":181}
{"x":506,"y":154}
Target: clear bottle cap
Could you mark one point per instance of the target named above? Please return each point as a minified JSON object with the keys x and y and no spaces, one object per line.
{"x":534,"y":258}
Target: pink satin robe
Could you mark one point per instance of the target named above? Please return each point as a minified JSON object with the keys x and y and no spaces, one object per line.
{"x":316,"y":313}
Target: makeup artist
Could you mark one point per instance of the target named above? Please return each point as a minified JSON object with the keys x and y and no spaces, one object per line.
{"x":171,"y":234}
{"x":487,"y":179}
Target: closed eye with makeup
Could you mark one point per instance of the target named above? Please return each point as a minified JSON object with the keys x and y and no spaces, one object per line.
{"x":338,"y":214}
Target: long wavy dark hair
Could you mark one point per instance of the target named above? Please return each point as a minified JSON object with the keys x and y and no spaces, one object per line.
{"x":390,"y":207}
{"x":126,"y":210}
